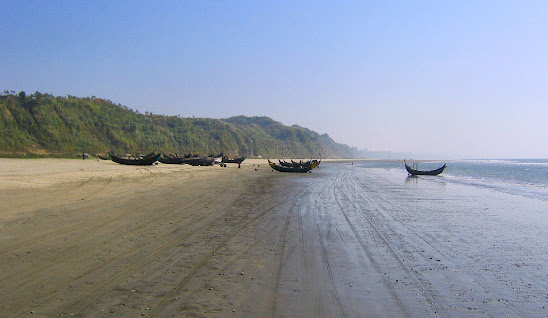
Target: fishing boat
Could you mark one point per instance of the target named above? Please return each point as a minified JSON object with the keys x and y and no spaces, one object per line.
{"x":199,"y":161}
{"x":136,"y":161}
{"x":234,"y":160}
{"x":305,"y":167}
{"x":416,"y":172}
{"x":300,"y":164}
{"x":189,"y":160}
{"x":167,"y":159}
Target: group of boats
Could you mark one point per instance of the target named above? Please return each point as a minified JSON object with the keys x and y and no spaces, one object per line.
{"x":197,"y":160}
{"x":190,"y":159}
{"x":294,"y":166}
{"x":306,"y":166}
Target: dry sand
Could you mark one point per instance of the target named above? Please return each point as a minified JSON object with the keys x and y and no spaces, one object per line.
{"x":91,"y":238}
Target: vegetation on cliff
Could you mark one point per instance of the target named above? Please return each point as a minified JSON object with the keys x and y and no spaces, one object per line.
{"x":42,"y":124}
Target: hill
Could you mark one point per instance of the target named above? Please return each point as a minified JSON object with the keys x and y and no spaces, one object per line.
{"x":46,"y":125}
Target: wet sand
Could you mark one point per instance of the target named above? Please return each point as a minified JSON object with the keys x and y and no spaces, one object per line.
{"x":89,"y":238}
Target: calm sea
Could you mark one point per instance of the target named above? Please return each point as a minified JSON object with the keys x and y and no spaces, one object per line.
{"x":526,"y":177}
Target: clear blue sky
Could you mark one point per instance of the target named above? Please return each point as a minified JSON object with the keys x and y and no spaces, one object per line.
{"x":464,"y":78}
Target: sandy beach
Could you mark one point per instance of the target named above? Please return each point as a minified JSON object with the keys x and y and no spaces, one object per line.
{"x":94,"y":238}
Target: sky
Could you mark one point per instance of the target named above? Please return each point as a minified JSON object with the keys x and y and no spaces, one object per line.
{"x":463,"y":79}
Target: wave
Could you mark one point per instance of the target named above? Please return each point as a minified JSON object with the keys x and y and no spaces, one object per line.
{"x":531,"y":190}
{"x":534,"y":162}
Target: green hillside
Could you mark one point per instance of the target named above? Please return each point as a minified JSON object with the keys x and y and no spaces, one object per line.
{"x":46,"y":125}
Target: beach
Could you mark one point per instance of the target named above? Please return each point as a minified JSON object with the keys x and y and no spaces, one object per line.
{"x":91,"y":238}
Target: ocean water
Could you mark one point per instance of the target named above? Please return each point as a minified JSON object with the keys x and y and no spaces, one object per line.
{"x":525,"y":177}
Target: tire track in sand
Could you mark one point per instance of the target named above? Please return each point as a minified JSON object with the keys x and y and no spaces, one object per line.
{"x":234,"y":232}
{"x":383,"y":211}
{"x":29,"y":241}
{"x":95,"y":293}
{"x":376,"y":265}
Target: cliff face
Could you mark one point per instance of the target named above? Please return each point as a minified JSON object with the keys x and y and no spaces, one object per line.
{"x":46,"y":124}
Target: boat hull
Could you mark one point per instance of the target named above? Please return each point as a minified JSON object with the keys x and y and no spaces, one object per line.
{"x":434,"y":172}
{"x":235,"y":160}
{"x":301,"y":169}
{"x":146,"y":161}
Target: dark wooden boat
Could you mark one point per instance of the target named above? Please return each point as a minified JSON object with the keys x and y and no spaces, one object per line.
{"x":235,"y":160}
{"x":434,"y":172}
{"x":171,"y":159}
{"x":294,"y":168}
{"x":193,"y":161}
{"x":300,"y":164}
{"x":139,"y":161}
{"x":199,"y":161}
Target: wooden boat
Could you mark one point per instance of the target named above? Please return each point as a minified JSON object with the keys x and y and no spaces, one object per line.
{"x":199,"y":161}
{"x":434,"y":172}
{"x":294,"y":168}
{"x":171,"y":159}
{"x":300,"y":164}
{"x":139,"y":161}
{"x":235,"y":160}
{"x":193,"y":161}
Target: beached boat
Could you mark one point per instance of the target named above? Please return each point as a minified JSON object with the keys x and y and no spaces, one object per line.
{"x":305,"y":167}
{"x":234,"y":160}
{"x":170,"y":159}
{"x":137,"y":161}
{"x":300,"y":164}
{"x":199,"y":161}
{"x":416,"y":172}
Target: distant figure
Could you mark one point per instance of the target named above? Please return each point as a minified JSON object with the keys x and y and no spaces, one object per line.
{"x":352,"y":162}
{"x":239,"y":165}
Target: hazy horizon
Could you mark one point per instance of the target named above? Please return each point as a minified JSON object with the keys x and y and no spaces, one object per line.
{"x":460,"y":80}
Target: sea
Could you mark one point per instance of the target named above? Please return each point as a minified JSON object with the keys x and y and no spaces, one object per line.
{"x":524,"y":177}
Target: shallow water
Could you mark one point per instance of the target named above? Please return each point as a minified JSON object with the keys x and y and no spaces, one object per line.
{"x":525,"y":177}
{"x":400,"y":246}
